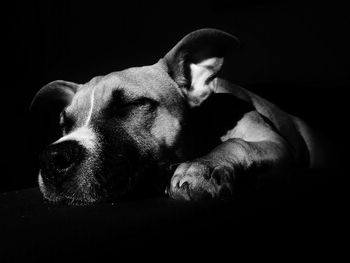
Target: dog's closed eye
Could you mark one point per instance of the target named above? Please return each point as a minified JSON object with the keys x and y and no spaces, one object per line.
{"x":124,"y":107}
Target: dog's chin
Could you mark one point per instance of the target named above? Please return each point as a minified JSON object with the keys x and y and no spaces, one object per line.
{"x":71,"y":201}
{"x":75,"y":198}
{"x":75,"y":195}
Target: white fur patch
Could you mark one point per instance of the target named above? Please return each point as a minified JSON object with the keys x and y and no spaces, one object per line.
{"x":84,"y":135}
{"x":92,"y":99}
{"x":41,"y":183}
{"x":200,"y":75}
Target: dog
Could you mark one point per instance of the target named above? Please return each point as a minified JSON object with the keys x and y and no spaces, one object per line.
{"x":149,"y":126}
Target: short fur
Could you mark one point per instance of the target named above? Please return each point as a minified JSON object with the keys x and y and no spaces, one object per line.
{"x":145,"y":126}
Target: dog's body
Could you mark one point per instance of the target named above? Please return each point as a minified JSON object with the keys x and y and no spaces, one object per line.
{"x":120,"y":128}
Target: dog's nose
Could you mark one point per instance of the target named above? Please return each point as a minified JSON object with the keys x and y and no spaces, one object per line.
{"x":60,"y":159}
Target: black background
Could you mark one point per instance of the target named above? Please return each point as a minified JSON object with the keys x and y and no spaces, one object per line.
{"x":295,"y":53}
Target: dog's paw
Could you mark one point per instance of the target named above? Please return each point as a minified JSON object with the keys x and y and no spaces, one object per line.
{"x":201,"y":180}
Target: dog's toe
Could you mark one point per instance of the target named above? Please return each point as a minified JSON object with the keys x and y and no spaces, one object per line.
{"x":198,"y":180}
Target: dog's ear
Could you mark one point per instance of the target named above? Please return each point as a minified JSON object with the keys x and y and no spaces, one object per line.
{"x":58,"y":93}
{"x":195,"y":61}
{"x":46,"y":107}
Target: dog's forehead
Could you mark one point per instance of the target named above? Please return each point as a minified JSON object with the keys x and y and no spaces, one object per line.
{"x":149,"y":81}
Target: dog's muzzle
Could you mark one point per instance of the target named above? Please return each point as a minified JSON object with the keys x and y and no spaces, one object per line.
{"x":59,"y":161}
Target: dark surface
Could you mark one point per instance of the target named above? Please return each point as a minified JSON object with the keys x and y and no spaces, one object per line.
{"x":305,"y":220}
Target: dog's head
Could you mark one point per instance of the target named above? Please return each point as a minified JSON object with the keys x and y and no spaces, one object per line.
{"x":117,"y":129}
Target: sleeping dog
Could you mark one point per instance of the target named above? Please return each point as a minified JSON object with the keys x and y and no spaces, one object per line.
{"x":174,"y":125}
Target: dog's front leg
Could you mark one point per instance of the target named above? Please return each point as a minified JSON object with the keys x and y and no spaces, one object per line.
{"x":213,"y":175}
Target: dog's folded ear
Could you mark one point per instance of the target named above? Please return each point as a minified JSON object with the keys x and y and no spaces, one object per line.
{"x":46,"y":107}
{"x":58,"y":93}
{"x":195,"y":61}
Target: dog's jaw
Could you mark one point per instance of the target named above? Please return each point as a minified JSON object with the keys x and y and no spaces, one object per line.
{"x":80,"y":195}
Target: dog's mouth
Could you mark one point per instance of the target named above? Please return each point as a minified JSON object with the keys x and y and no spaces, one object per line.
{"x":91,"y":182}
{"x":101,"y":183}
